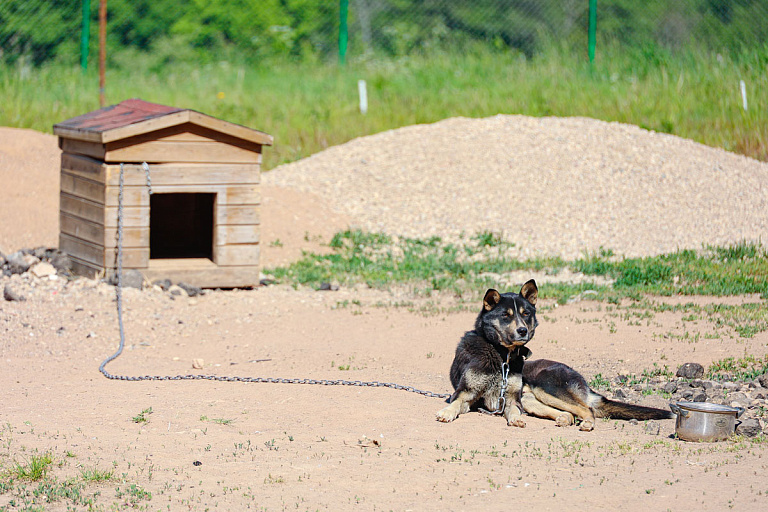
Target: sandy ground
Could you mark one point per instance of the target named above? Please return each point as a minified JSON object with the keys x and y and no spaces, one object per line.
{"x":240,"y":446}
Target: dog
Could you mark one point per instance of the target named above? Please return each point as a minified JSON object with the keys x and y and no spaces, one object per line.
{"x":556,"y":391}
{"x":505,"y":324}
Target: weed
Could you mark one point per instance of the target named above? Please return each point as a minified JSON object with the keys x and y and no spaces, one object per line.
{"x":35,"y":469}
{"x":143,"y":416}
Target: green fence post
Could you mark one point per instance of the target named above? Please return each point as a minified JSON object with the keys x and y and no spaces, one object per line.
{"x":592,"y":29}
{"x":343,"y":30}
{"x":85,"y":34}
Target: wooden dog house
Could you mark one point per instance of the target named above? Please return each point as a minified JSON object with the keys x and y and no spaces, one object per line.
{"x":199,"y":225}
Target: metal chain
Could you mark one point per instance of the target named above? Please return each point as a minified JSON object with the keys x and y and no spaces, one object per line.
{"x":503,"y":392}
{"x":271,"y":380}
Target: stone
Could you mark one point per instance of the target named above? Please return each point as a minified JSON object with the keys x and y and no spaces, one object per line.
{"x":328,"y":287}
{"x":192,"y":291}
{"x":699,"y":396}
{"x":42,"y":269}
{"x":619,"y":393}
{"x":749,"y":427}
{"x":60,"y":261}
{"x":176,"y":290}
{"x":11,"y":295}
{"x":19,"y":262}
{"x":163,"y":284}
{"x":652,"y":428}
{"x":198,"y":364}
{"x":690,"y":371}
{"x":763,"y":380}
{"x":670,"y":387}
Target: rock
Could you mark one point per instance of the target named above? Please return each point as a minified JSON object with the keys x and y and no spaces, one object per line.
{"x":699,"y":396}
{"x":749,"y":427}
{"x":163,"y":284}
{"x":133,"y":279}
{"x":690,"y":371}
{"x":619,"y":393}
{"x":687,"y":394}
{"x":328,"y":287}
{"x":763,"y":380}
{"x":42,"y":269}
{"x":19,"y":262}
{"x":176,"y":290}
{"x":2,"y":259}
{"x":652,"y":428}
{"x":731,"y":386}
{"x":192,"y":291}
{"x":60,"y":261}
{"x":198,"y":364}
{"x":707,"y":385}
{"x":670,"y":387}
{"x":11,"y":295}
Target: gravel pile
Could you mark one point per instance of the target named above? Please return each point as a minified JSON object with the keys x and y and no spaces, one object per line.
{"x":553,"y":186}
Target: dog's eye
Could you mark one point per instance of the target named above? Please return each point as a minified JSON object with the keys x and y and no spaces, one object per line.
{"x":524,"y":313}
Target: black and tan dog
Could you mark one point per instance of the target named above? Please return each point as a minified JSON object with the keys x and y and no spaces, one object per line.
{"x":505,"y":324}
{"x":542,"y":388}
{"x":556,"y":391}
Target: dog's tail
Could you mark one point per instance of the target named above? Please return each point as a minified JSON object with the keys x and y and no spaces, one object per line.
{"x":606,"y":408}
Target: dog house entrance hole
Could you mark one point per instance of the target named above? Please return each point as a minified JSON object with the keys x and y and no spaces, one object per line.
{"x":181,"y":225}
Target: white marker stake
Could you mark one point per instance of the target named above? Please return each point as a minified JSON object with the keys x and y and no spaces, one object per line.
{"x":743,"y":94}
{"x":363,"y":92}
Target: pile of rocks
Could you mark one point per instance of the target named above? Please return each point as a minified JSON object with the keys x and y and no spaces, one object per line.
{"x":25,"y":271}
{"x":688,"y":385}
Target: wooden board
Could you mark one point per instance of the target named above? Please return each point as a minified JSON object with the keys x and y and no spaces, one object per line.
{"x":231,"y":255}
{"x":74,"y":185}
{"x":237,"y":215}
{"x":203,"y":276}
{"x":96,"y":255}
{"x":81,"y":208}
{"x":225,"y":194}
{"x":245,"y":234}
{"x":83,"y":166}
{"x":178,"y":151}
{"x":80,"y":147}
{"x":184,"y":174}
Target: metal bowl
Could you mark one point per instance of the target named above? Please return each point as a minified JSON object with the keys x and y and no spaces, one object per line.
{"x":705,"y":422}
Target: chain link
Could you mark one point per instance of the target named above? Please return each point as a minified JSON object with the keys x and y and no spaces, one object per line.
{"x":218,"y":378}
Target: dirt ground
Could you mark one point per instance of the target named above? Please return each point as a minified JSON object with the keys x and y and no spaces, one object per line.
{"x":251,"y":446}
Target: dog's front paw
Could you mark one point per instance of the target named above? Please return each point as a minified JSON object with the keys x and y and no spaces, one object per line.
{"x":447,"y":414}
{"x":564,"y":420}
{"x":587,"y":426}
{"x":516,"y":422}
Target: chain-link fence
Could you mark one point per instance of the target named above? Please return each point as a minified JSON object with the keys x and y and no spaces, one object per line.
{"x":39,"y":31}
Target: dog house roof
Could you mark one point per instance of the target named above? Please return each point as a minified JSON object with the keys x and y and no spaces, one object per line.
{"x":136,"y":117}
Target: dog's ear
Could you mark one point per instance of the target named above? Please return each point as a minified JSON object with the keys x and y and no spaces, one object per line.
{"x":492,"y":297}
{"x":530,"y":292}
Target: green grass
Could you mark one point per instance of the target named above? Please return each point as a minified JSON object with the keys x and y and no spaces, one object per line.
{"x":474,"y":265}
{"x":35,"y":468}
{"x":143,"y":416}
{"x":311,"y":106}
{"x":732,"y":270}
{"x":744,"y":368}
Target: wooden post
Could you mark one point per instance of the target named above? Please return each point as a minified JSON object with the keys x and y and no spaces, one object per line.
{"x":592,"y":29}
{"x":343,"y":30}
{"x":102,"y":50}
{"x":85,"y":35}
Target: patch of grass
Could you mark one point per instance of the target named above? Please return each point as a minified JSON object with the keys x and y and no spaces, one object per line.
{"x":96,"y":475}
{"x":35,"y":469}
{"x":143,"y":416}
{"x":599,"y":382}
{"x":744,"y":368}
{"x":735,"y":269}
